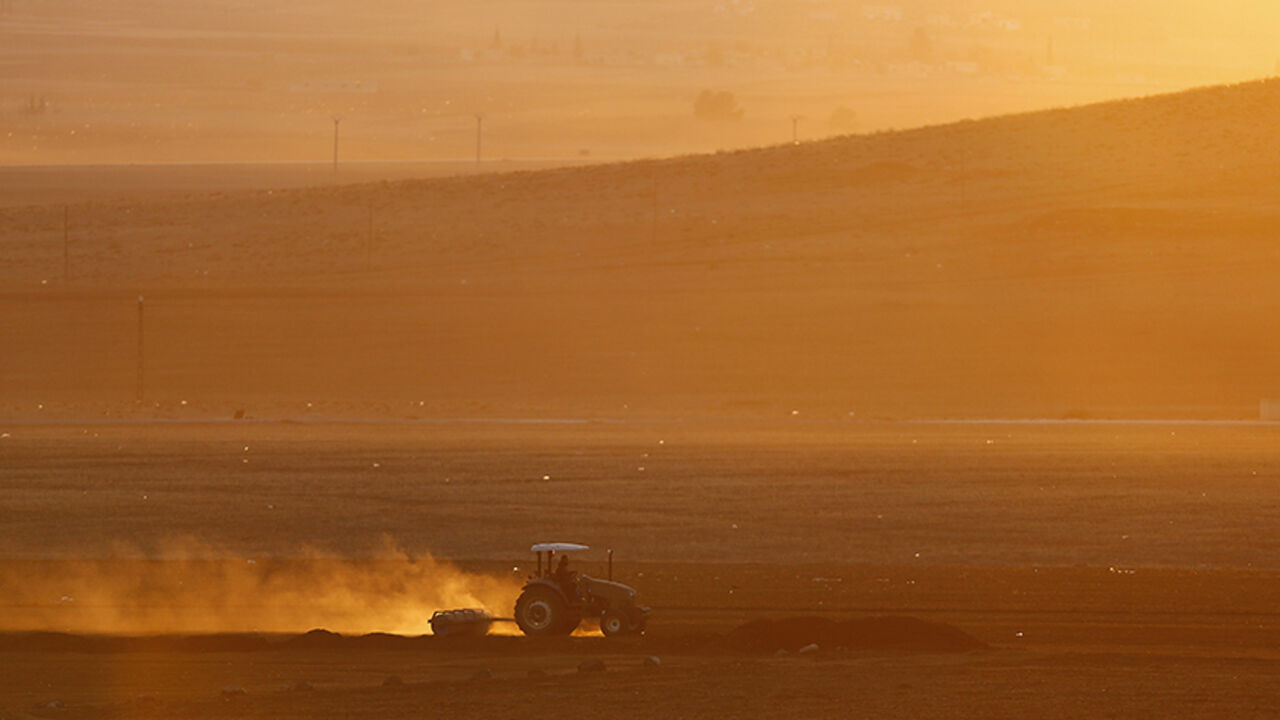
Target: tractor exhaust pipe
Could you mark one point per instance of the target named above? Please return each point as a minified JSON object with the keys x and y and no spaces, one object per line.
{"x":610,"y":564}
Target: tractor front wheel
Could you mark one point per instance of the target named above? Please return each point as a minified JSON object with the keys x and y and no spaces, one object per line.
{"x":614,"y":623}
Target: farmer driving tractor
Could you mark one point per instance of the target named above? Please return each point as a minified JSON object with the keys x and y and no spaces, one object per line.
{"x":564,"y":577}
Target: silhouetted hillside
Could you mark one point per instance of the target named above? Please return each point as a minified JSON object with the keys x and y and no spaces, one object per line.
{"x":1108,"y":260}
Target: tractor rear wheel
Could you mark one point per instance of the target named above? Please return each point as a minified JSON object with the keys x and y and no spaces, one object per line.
{"x":541,"y":612}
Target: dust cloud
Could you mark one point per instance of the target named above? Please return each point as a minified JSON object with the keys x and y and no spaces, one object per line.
{"x":190,"y":588}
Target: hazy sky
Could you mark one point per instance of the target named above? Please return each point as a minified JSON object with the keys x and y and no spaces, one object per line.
{"x":146,"y":80}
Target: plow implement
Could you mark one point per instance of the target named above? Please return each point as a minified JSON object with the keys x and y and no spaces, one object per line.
{"x":465,"y":622}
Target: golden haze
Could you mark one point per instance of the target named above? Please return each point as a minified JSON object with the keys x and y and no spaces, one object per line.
{"x":794,"y":360}
{"x":196,"y":80}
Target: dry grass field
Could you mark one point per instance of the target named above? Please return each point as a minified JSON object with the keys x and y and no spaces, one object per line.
{"x":1096,"y":495}
{"x":1108,"y":261}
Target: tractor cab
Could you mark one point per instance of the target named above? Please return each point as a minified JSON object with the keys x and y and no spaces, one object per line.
{"x":553,"y":564}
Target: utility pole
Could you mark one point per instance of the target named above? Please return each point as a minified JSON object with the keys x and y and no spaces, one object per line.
{"x":140,"y":365}
{"x":368,"y":246}
{"x":795,"y":129}
{"x":479,"y":124}
{"x":66,"y":241}
{"x":336,"y":120}
{"x":653,"y":226}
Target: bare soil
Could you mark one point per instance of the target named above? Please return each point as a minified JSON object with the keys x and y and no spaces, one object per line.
{"x":1148,"y":594}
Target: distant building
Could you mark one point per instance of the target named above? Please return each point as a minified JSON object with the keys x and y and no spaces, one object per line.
{"x":355,"y":87}
{"x":741,"y":7}
{"x":671,"y":59}
{"x":995,"y":21}
{"x":1073,"y":23}
{"x":882,"y":13}
{"x":915,"y":69}
{"x":1269,"y":410}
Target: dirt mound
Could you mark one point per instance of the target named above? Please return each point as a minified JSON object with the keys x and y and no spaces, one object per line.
{"x":875,"y":633}
{"x":320,"y":639}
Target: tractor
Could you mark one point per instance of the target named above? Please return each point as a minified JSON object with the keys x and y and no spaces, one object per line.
{"x":555,"y":600}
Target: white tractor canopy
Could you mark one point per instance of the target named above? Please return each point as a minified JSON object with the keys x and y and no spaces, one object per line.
{"x":558,"y":547}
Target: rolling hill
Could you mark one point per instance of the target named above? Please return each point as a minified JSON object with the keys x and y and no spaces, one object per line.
{"x":1110,"y":260}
